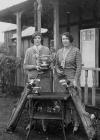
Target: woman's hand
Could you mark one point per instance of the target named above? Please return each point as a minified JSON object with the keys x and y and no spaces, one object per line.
{"x":38,"y":67}
{"x":59,"y":71}
{"x":74,"y":83}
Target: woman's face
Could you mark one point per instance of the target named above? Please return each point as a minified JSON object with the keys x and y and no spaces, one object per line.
{"x":37,"y":40}
{"x":65,"y":41}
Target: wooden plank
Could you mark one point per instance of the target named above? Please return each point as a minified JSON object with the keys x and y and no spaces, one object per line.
{"x":39,"y":8}
{"x":35,"y":15}
{"x":18,"y":20}
{"x":90,"y":68}
{"x":56,"y":25}
{"x":93,"y":87}
{"x":86,"y":87}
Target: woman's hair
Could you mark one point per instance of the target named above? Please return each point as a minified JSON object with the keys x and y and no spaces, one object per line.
{"x":36,"y":34}
{"x":68,"y":35}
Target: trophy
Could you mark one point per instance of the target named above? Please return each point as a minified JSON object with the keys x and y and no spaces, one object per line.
{"x":44,"y":62}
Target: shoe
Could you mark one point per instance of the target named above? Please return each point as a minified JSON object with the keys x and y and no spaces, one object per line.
{"x":9,"y":130}
{"x":75,"y":129}
{"x":44,"y":126}
{"x":28,"y":127}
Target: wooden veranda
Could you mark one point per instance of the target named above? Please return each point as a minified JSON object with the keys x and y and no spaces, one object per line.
{"x":57,"y":16}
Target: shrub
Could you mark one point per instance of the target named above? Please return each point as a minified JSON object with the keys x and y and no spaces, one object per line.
{"x":8,"y":71}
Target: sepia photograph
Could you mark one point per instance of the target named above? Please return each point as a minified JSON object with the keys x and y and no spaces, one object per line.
{"x":49,"y":69}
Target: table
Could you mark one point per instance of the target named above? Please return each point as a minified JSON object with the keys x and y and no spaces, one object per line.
{"x":45,"y":97}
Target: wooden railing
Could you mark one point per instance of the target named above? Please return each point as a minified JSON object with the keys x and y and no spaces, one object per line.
{"x":94,"y":84}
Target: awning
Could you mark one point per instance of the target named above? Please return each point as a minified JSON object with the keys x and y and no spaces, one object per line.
{"x":29,"y":31}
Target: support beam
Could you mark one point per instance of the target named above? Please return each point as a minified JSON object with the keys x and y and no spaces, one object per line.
{"x":93,"y":88}
{"x":37,"y":15}
{"x":18,"y":49}
{"x":18,"y":20}
{"x":86,"y":88}
{"x":56,"y":25}
{"x":39,"y":9}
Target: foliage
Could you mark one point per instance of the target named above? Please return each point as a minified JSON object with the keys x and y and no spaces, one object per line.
{"x":3,"y":49}
{"x":8,"y":71}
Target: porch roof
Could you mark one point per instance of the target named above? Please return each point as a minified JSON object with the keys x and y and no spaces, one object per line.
{"x":8,"y":14}
{"x":79,"y":9}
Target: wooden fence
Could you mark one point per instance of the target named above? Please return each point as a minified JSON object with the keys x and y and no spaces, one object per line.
{"x":95,"y":72}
